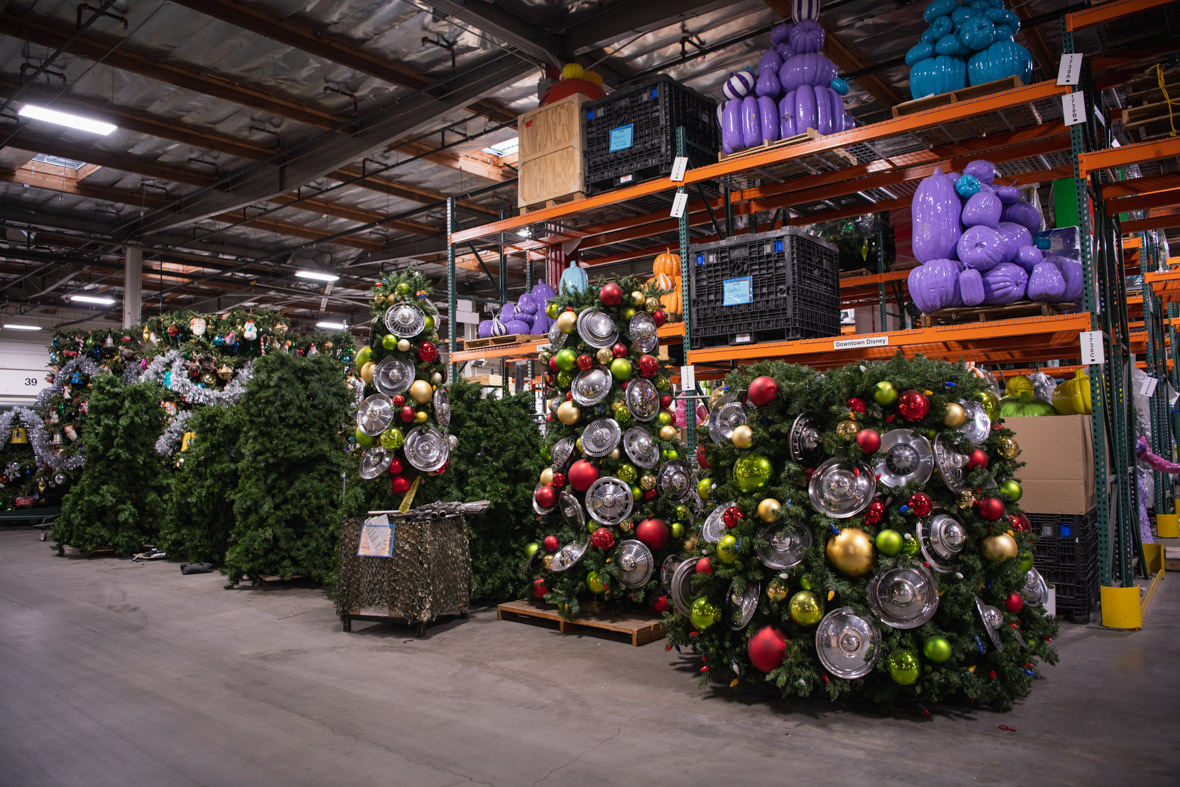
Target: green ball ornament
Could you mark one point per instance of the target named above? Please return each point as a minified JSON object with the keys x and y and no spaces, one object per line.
{"x":622,"y":415}
{"x":564,"y":379}
{"x":910,"y":547}
{"x":567,"y":359}
{"x":806,"y":608}
{"x":889,"y":542}
{"x":620,"y":368}
{"x":663,"y":384}
{"x":529,"y":549}
{"x":727,"y":549}
{"x":904,"y":666}
{"x":428,"y":324}
{"x":677,"y":530}
{"x":682,"y":512}
{"x":1011,"y":490}
{"x":364,"y":439}
{"x":752,"y":472}
{"x":705,"y":488}
{"x":937,"y":649}
{"x":668,"y":454}
{"x":991,"y":404}
{"x":1026,"y":561}
{"x":806,"y":582}
{"x":628,"y":473}
{"x":664,"y":418}
{"x":389,"y":341}
{"x":884,"y":393}
{"x":637,"y":493}
{"x":595,"y":583}
{"x":704,"y":613}
{"x":363,"y":356}
{"x":403,"y":289}
{"x":392,"y":439}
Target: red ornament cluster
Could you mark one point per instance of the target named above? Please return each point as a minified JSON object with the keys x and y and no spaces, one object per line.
{"x":920,"y":504}
{"x":602,"y":538}
{"x":913,"y":406}
{"x":648,"y":366}
{"x":732,"y":516}
{"x":427,"y":353}
{"x":875,"y":513}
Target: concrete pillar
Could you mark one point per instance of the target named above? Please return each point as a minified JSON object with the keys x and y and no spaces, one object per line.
{"x":132,"y":286}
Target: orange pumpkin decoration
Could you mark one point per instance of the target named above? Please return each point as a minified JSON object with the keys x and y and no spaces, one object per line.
{"x":667,"y":263}
{"x":667,"y":277}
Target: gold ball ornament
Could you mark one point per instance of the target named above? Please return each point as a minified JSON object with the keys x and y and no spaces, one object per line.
{"x":768,"y":509}
{"x":547,"y":477}
{"x":403,"y":345}
{"x":1008,"y":448}
{"x":548,"y":562}
{"x":998,"y":547}
{"x":651,"y":306}
{"x":847,"y":429}
{"x":851,"y":552}
{"x":690,"y":543}
{"x":638,"y":298}
{"x":604,"y":356}
{"x":743,"y":436}
{"x":647,"y":482}
{"x":421,"y":417}
{"x":569,"y":413}
{"x":628,"y":313}
{"x":966,"y":500}
{"x":367,"y":372}
{"x":777,"y":589}
{"x":955,"y":415}
{"x":615,"y":455}
{"x":420,"y":391}
{"x":567,"y":322}
{"x":668,"y":433}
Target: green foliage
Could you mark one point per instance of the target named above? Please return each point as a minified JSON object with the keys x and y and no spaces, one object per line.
{"x":976,"y":671}
{"x":287,"y":501}
{"x":118,"y":500}
{"x":200,"y":510}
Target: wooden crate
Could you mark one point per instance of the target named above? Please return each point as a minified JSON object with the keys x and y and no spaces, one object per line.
{"x":639,"y":627}
{"x":553,"y":176}
{"x":969,"y":314}
{"x":942,"y":99}
{"x":500,"y":341}
{"x":551,"y":127}
{"x":550,"y":155}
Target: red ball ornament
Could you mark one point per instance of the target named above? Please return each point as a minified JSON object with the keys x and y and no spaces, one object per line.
{"x":427,"y":353}
{"x":584,"y":362}
{"x":857,"y":405}
{"x":619,"y":350}
{"x":977,"y":458}
{"x":767,"y":648}
{"x":869,"y":440}
{"x":648,"y":366}
{"x":702,"y":458}
{"x":546,"y":496}
{"x":400,"y":485}
{"x":398,"y":400}
{"x":559,"y":479}
{"x":650,"y":494}
{"x":611,"y":294}
{"x":704,"y":566}
{"x":539,"y":589}
{"x":550,"y":543}
{"x":407,"y":414}
{"x":654,"y":533}
{"x":582,"y":474}
{"x":396,"y":467}
{"x":920,"y":504}
{"x":875,"y":513}
{"x":1014,"y":603}
{"x":660,"y":316}
{"x":569,"y":396}
{"x":913,"y":406}
{"x":661,"y":604}
{"x":762,"y":390}
{"x":732,"y":516}
{"x":666,"y":401}
{"x":602,"y":538}
{"x":1020,"y":523}
{"x":553,"y":364}
{"x":990,"y":508}
{"x":548,"y":418}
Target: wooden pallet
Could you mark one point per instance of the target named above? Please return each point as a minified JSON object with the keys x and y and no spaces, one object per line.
{"x":640,"y":627}
{"x":782,"y":143}
{"x":942,"y":99}
{"x":501,"y":341}
{"x":970,"y":314}
{"x":1172,"y":558}
{"x":551,"y":203}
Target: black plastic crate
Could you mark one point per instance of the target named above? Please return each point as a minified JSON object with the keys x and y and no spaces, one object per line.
{"x":1066,"y":554}
{"x":1076,"y":603}
{"x":762,"y":287}
{"x":630,"y":135}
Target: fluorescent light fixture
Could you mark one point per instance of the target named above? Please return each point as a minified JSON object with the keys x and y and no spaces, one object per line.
{"x":66,"y":119}
{"x":331,"y":326}
{"x":317,"y":275}
{"x":98,"y":299}
{"x":524,"y":232}
{"x":505,"y":148}
{"x":13,"y":326}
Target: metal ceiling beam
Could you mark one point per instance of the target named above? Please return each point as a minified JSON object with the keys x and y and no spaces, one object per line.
{"x":501,"y":25}
{"x":626,"y":19}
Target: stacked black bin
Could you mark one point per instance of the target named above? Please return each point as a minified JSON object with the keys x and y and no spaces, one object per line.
{"x":1066,"y":554}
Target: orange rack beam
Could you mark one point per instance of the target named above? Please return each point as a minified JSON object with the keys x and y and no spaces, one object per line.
{"x":1164,"y":284}
{"x":669,"y":333}
{"x":1107,"y":12}
{"x":1002,"y":341}
{"x":1127,"y":155}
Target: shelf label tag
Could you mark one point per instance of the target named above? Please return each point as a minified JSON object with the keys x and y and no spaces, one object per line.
{"x":1172,"y":395}
{"x":1147,"y":385}
{"x":1069,"y":72}
{"x":679,"y":166}
{"x":1093,"y":349}
{"x":864,"y":341}
{"x":1073,"y":107}
{"x":688,"y":378}
{"x":679,"y":204}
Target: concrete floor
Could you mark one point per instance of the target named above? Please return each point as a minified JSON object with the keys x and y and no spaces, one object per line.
{"x":119,"y":673}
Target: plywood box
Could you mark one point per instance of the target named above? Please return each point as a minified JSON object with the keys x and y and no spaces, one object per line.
{"x":551,"y":127}
{"x":549,"y":177}
{"x":1058,"y":452}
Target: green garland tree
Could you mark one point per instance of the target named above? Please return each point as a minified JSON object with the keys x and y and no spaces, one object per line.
{"x":618,"y":492}
{"x":119,"y":498}
{"x":287,"y":504}
{"x":815,"y":575}
{"x":19,"y":472}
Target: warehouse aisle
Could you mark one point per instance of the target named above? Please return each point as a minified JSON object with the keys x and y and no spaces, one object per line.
{"x":119,"y":673}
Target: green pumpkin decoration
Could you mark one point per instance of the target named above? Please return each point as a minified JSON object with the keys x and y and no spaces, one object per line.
{"x":1024,"y":404}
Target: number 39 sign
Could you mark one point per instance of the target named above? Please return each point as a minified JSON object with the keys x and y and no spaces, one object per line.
{"x":20,"y":382}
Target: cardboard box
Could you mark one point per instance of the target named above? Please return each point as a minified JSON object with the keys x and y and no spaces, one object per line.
{"x":1058,"y":456}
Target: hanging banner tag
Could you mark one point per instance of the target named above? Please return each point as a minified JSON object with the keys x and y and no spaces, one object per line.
{"x":1147,"y":385}
{"x":679,"y":204}
{"x":1069,"y":72}
{"x":1073,"y":108}
{"x":1093,"y":350}
{"x":688,"y":378}
{"x":679,"y":167}
{"x":855,"y":344}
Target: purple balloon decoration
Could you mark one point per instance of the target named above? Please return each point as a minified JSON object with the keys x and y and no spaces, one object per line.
{"x":934,"y":285}
{"x":542,"y":292}
{"x":507,"y":312}
{"x":1028,"y":257}
{"x":1026,"y":214}
{"x":982,"y":210}
{"x":786,"y":116}
{"x":936,"y":210}
{"x":731,"y":126}
{"x":781,"y":33}
{"x":485,"y":329}
{"x":517,"y":327}
{"x":770,"y":60}
{"x":768,"y":118}
{"x":751,"y":123}
{"x":1046,"y":283}
{"x":981,"y":248}
{"x":525,"y":303}
{"x":1075,"y":282}
{"x":808,"y":36}
{"x":810,"y":68}
{"x":971,"y":287}
{"x":985,"y":171}
{"x":1005,"y":283}
{"x":768,"y":85}
{"x":1008,"y":194}
{"x":1015,"y":237}
{"x":805,"y":113}
{"x":498,"y":327}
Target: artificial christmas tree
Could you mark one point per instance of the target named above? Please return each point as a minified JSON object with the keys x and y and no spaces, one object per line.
{"x":864,"y":539}
{"x":617,"y":498}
